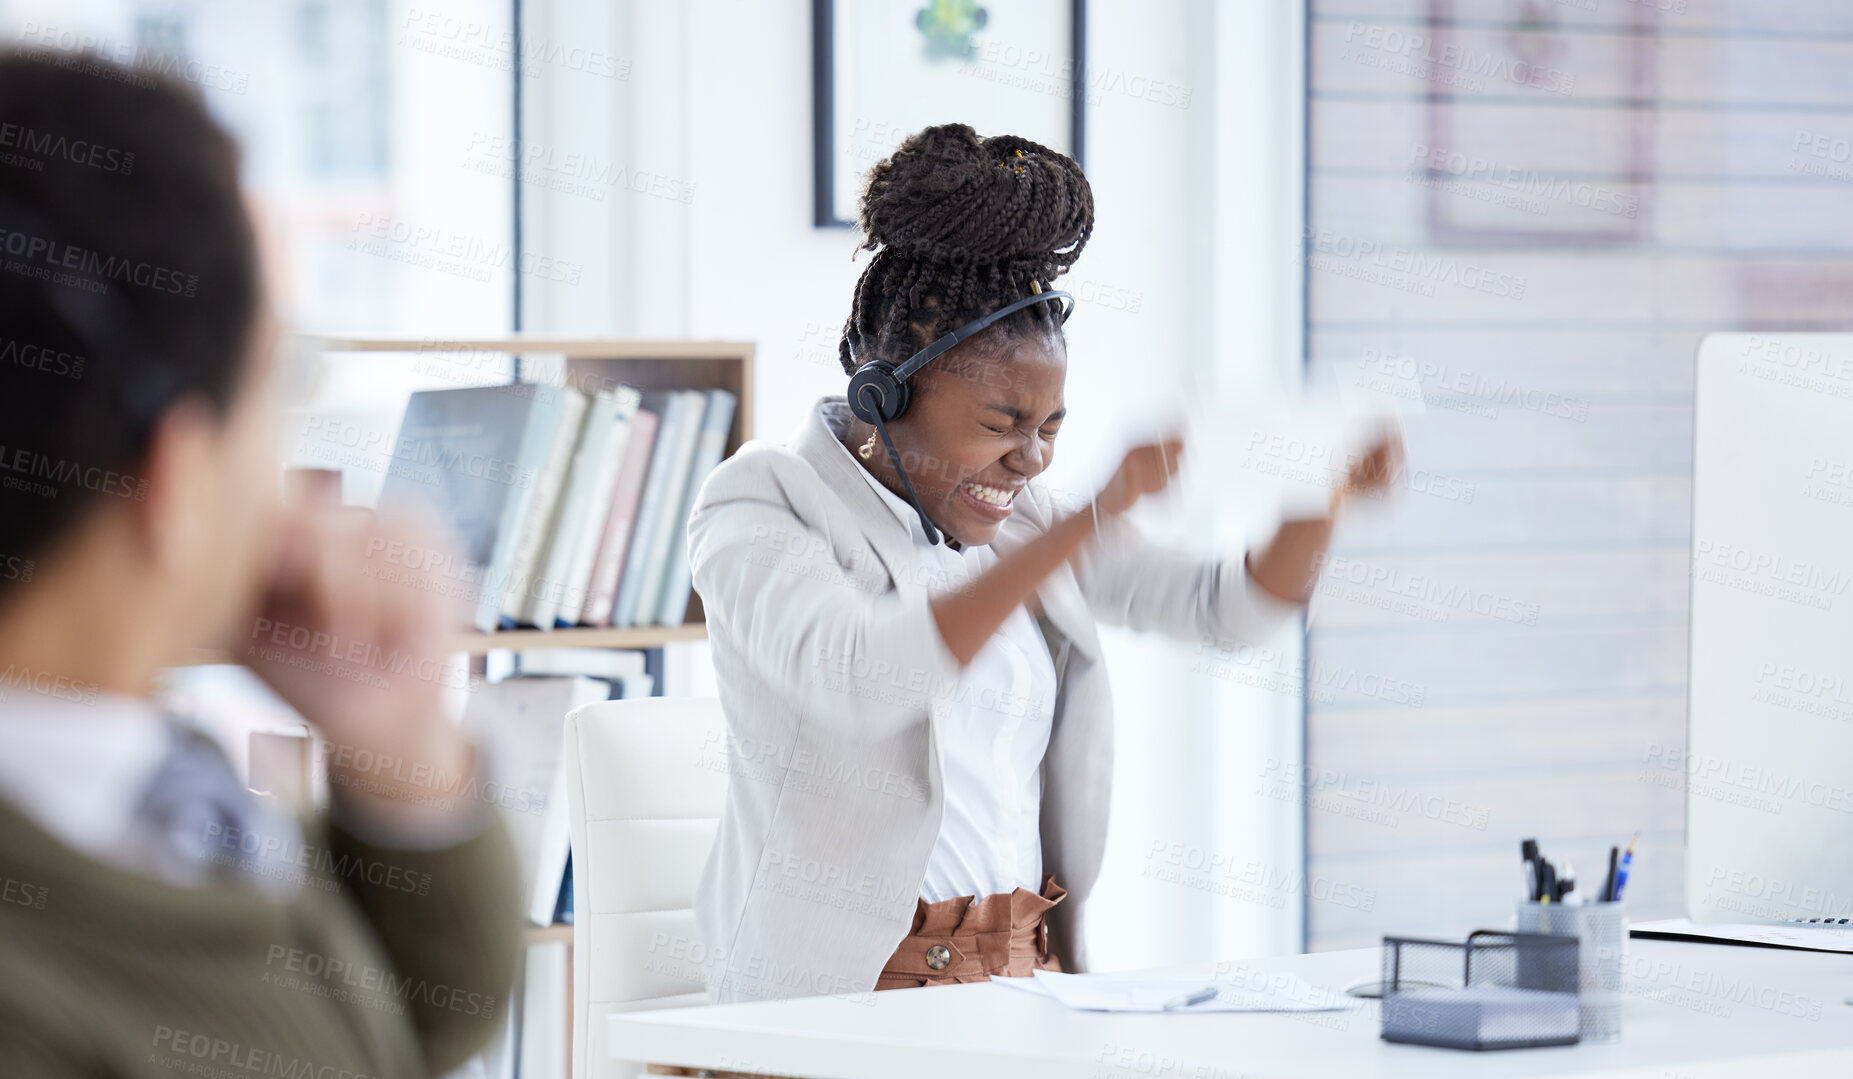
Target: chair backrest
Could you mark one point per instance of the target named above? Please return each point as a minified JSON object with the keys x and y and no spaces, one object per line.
{"x":645,"y":783}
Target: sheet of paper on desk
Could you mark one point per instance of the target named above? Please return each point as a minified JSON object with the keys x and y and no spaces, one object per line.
{"x":1278,"y":992}
{"x":1817,"y":938}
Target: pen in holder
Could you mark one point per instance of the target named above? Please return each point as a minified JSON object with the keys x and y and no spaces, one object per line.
{"x":1600,"y":929}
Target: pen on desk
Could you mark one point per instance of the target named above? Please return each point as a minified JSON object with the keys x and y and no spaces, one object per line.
{"x":1528,"y":852}
{"x":1621,"y":871}
{"x":1208,"y":992}
{"x":1608,"y":882}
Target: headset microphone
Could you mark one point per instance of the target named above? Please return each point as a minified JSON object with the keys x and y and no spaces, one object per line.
{"x":878,"y":391}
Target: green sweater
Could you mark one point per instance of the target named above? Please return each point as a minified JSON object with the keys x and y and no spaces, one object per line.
{"x":384,"y":964}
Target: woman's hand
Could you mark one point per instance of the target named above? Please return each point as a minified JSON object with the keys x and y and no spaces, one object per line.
{"x":1375,"y":470}
{"x":1288,"y":567}
{"x":1145,"y":470}
{"x":353,"y":633}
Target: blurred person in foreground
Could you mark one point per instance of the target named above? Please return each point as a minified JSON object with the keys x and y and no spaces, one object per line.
{"x":155,"y":915}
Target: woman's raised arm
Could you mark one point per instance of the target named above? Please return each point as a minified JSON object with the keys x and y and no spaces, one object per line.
{"x":968,"y":617}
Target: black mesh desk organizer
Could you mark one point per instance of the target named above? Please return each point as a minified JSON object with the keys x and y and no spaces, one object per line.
{"x":1491,"y":991}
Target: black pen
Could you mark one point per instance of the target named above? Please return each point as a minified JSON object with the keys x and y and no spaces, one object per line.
{"x":1608,"y":886}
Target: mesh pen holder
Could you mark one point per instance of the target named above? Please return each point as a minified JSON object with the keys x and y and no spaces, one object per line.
{"x":1491,"y":991}
{"x":1600,"y":929}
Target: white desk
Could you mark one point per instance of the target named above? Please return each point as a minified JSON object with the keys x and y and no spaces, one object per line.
{"x":1693,"y":1011}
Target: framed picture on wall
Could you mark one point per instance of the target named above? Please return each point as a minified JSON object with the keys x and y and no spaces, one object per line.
{"x":1503,"y":165}
{"x":883,"y":69}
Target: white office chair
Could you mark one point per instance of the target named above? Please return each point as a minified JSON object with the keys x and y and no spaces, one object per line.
{"x":645,"y":782}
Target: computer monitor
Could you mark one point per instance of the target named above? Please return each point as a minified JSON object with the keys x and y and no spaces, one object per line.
{"x":1768,"y":763}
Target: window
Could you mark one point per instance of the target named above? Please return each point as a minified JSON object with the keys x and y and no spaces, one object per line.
{"x":370,"y":134}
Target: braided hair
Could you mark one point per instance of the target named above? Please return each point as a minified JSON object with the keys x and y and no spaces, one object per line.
{"x":961,"y":226}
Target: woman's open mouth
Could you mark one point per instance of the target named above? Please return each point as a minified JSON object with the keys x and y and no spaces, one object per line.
{"x":992,"y":502}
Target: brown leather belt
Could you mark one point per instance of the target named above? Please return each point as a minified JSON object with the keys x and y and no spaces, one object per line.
{"x":968,"y":940}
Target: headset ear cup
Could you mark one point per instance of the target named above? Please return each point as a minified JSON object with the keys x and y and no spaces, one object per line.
{"x":875,"y":394}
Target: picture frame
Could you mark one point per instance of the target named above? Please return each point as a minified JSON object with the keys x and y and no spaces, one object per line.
{"x":1485,"y":184}
{"x":882,"y":69}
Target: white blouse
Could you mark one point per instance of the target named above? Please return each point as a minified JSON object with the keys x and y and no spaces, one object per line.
{"x":993,"y":731}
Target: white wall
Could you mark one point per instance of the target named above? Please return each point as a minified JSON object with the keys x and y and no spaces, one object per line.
{"x":719,"y":96}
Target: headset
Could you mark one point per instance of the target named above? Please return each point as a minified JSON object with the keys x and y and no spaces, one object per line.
{"x":879,"y":393}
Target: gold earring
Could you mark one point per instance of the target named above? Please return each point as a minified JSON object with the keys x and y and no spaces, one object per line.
{"x":868,"y":448}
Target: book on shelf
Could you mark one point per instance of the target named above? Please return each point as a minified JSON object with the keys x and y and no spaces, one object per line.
{"x":522,"y":722}
{"x":615,"y":542}
{"x":473,"y":456}
{"x":573,"y":509}
{"x":710,"y":447}
{"x":675,"y":442}
{"x":600,"y":496}
{"x":545,"y":511}
{"x":623,"y":669}
{"x":607,"y":663}
{"x":563,"y":914}
{"x":670,"y":530}
{"x":586,"y":493}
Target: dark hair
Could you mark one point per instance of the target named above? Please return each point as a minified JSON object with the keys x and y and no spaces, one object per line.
{"x":960,"y":226}
{"x":128,"y":280}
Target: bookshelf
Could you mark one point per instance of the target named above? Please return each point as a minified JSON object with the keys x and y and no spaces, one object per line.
{"x":477,"y":644}
{"x":586,"y":364}
{"x":583,"y":637}
{"x":544,"y":934}
{"x":590,"y":364}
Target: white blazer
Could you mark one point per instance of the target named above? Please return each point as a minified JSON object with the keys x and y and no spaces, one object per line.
{"x":832,"y":673}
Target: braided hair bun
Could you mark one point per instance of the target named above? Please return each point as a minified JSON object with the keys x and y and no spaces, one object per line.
{"x":947,"y":194}
{"x":961,"y":225}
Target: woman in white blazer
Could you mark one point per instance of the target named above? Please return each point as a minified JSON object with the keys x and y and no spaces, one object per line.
{"x":920,"y":727}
